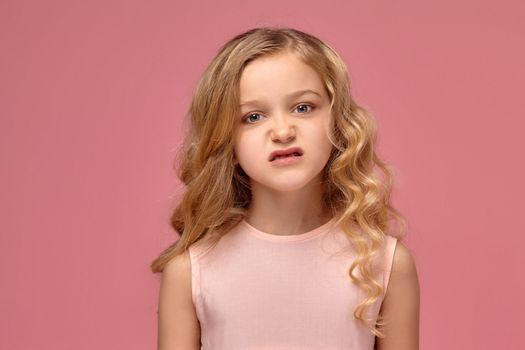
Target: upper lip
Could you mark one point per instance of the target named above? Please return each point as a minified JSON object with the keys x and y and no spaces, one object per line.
{"x":281,"y":152}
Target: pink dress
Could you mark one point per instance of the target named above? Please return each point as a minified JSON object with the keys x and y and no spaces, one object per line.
{"x":255,"y":290}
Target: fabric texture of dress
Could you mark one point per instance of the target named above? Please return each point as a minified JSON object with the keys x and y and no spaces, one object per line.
{"x":255,"y":290}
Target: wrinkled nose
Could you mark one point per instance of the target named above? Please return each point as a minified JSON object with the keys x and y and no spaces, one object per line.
{"x":282,"y":130}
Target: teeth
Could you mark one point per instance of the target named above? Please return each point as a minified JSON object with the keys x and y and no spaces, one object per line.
{"x":296,"y":154}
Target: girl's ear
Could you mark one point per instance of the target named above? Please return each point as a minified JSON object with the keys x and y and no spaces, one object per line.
{"x":234,"y":160}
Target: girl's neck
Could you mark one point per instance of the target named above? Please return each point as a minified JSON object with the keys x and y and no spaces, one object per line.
{"x":288,"y":213}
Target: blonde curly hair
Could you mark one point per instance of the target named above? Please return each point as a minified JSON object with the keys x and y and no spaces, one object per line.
{"x":218,"y":193}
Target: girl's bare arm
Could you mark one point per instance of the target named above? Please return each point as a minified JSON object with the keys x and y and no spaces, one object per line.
{"x":400,"y":307}
{"x":178,"y":326}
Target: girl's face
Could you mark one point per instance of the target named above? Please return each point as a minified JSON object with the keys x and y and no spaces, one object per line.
{"x":284,"y":104}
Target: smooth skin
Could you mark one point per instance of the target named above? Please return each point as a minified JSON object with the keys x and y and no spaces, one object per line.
{"x":179,"y":329}
{"x":400,"y":307}
{"x":178,"y":325}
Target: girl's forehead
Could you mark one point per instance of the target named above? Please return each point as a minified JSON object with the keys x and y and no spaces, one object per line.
{"x":278,"y":75}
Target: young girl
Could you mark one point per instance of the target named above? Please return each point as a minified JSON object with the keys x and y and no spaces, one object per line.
{"x":284,"y":224}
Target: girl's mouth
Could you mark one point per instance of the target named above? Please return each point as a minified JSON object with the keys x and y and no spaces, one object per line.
{"x":286,"y":153}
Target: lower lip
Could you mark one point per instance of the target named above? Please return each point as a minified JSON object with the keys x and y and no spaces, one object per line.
{"x":287,"y":160}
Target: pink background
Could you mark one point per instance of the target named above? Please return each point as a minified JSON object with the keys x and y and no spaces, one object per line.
{"x":92,"y":98}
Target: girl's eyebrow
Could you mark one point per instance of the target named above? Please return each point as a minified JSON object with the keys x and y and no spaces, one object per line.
{"x":291,"y":95}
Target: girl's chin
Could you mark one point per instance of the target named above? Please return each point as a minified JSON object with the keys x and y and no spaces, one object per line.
{"x":285,"y":186}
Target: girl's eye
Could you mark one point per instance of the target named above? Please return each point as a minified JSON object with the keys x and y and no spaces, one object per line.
{"x":248,"y":118}
{"x":305,"y":107}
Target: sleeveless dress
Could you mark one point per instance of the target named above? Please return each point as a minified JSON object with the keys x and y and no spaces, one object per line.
{"x":255,"y":290}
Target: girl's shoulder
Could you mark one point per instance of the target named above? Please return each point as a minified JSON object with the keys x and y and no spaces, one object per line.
{"x":401,"y":302}
{"x":178,"y":267}
{"x":400,"y":268}
{"x":403,"y":264}
{"x":177,"y":319}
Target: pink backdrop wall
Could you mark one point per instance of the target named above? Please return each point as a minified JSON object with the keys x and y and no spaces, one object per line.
{"x":92,"y":96}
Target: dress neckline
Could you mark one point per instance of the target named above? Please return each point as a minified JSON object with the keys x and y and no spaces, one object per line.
{"x":289,"y":238}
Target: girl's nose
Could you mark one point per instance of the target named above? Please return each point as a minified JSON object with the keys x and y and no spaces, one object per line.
{"x":282,"y":131}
